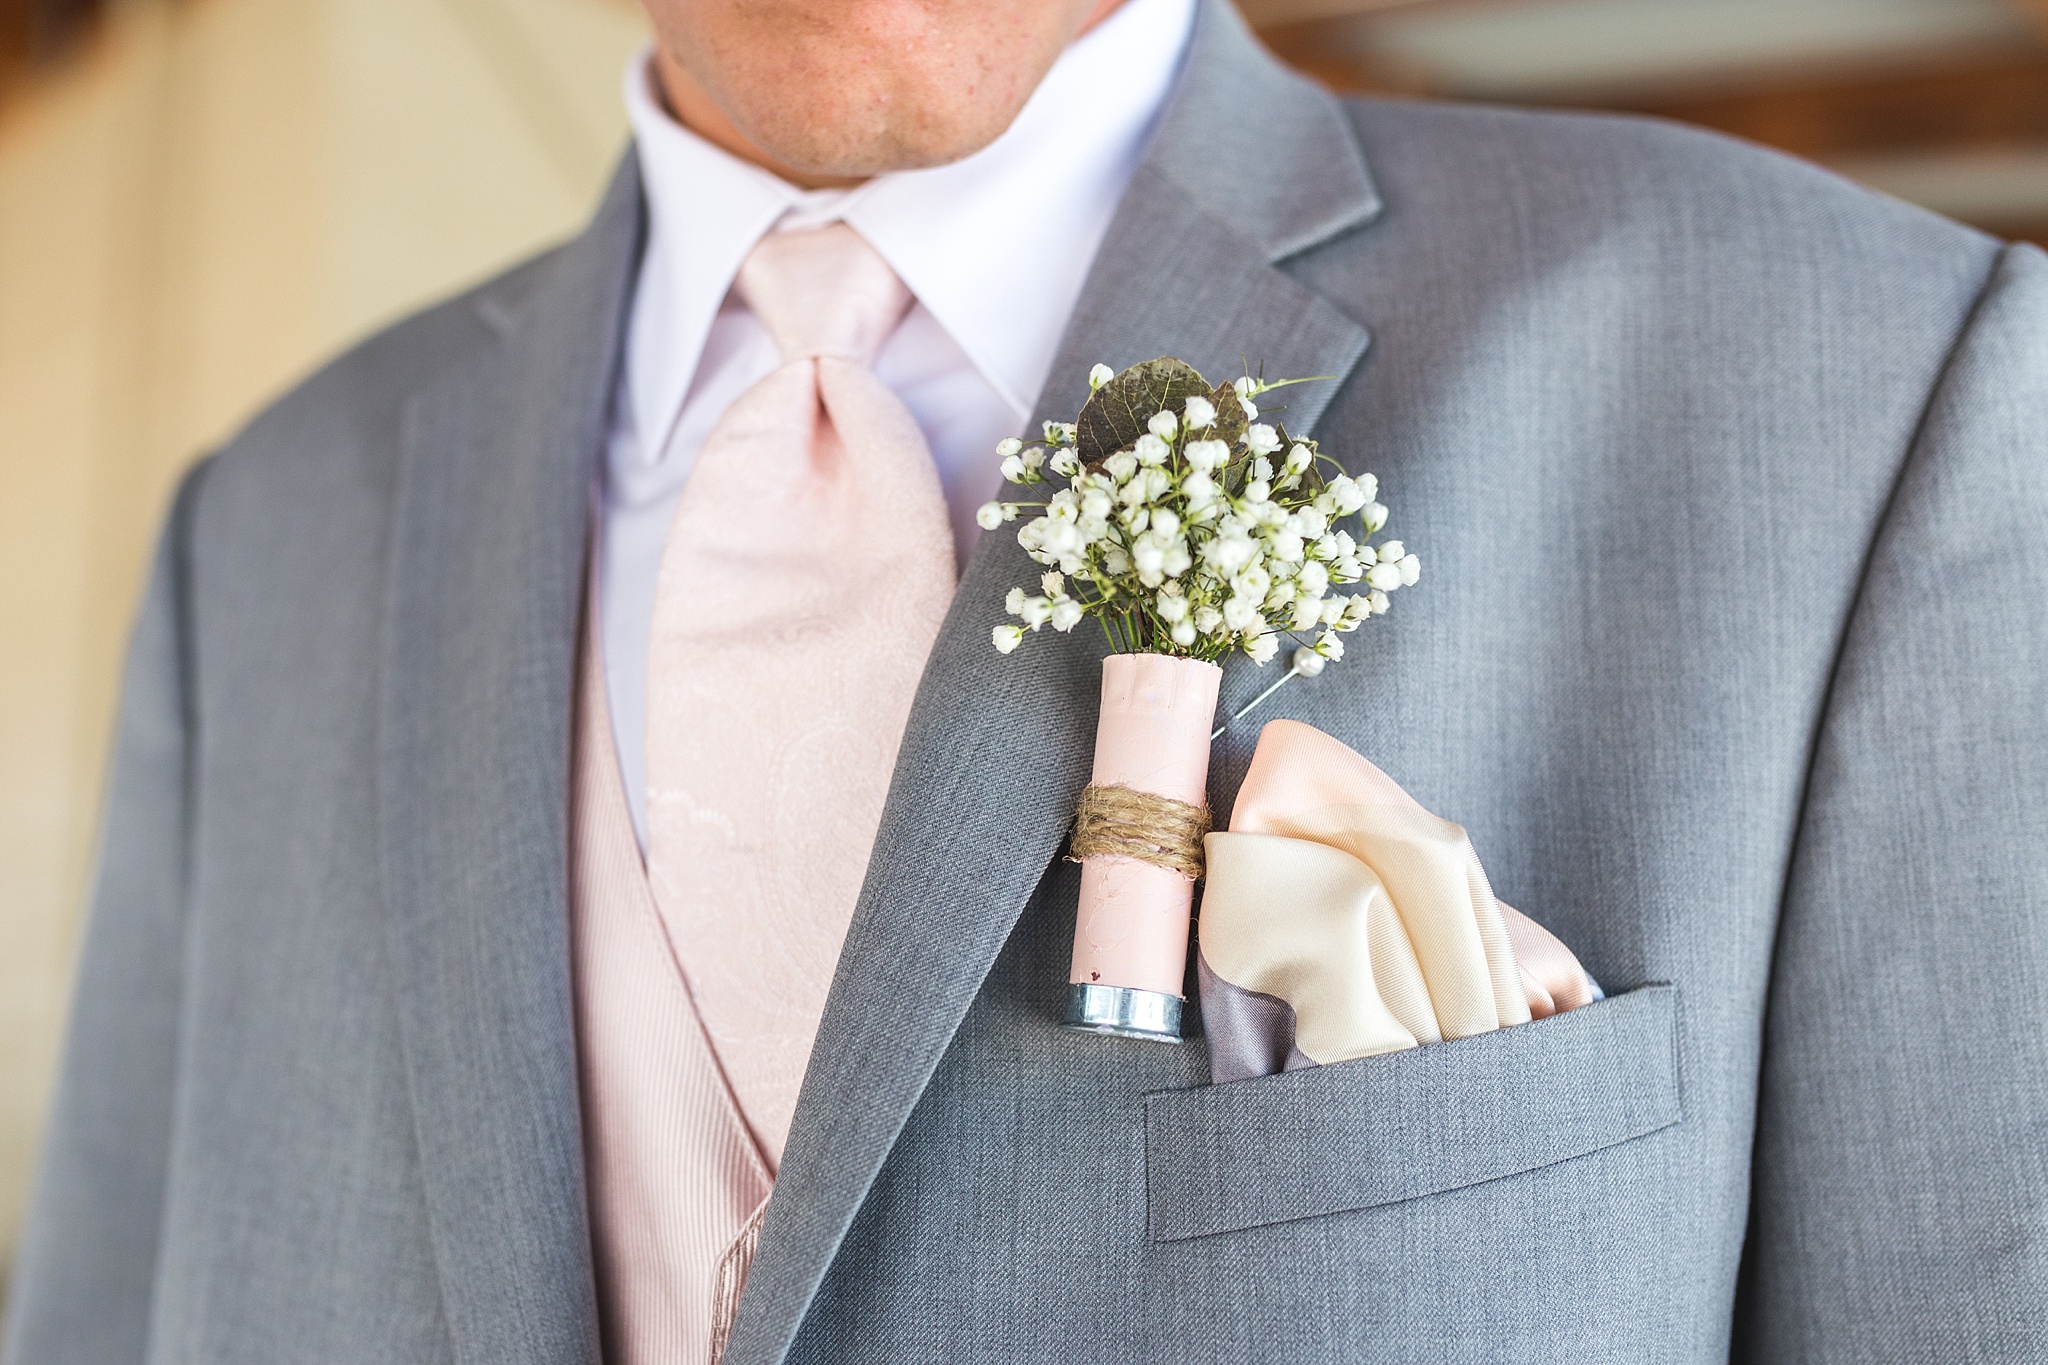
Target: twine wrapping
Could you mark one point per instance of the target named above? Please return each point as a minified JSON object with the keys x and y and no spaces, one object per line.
{"x":1123,"y":822}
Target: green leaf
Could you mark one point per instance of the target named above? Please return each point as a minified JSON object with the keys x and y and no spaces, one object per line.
{"x":1114,"y":417}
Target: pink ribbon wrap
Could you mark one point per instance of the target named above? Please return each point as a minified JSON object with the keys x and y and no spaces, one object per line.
{"x":1152,"y":736}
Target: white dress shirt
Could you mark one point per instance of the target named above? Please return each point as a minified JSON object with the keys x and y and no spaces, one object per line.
{"x":994,"y":247}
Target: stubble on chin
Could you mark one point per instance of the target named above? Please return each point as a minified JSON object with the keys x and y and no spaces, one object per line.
{"x":839,"y":90}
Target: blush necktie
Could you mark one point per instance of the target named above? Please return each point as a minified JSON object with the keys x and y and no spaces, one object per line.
{"x":804,"y":577}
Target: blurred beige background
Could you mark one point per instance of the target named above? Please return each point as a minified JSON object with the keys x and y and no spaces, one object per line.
{"x":200,"y":199}
{"x":198,"y":206}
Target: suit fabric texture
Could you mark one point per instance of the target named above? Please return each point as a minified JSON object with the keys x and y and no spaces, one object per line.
{"x":1730,"y":654}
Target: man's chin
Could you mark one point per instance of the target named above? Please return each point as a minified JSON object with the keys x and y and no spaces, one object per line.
{"x":846,"y":154}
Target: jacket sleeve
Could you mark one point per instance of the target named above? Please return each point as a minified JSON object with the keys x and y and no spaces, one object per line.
{"x":81,"y":1286}
{"x":1900,"y":1186}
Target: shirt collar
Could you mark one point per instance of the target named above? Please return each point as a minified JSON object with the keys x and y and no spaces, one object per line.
{"x":995,"y":246}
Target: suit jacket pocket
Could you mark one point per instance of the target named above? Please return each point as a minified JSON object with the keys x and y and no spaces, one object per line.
{"x":1379,"y":1130}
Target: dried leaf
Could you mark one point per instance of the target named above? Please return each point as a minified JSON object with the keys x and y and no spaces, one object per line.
{"x":1311,"y":477}
{"x":1230,"y":420}
{"x":1115,"y":416}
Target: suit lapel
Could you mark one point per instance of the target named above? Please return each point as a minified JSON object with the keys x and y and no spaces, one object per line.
{"x":486,"y":562}
{"x":1250,"y":166}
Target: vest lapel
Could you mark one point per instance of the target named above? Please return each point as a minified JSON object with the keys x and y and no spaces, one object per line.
{"x":1251,"y":166}
{"x":486,"y":559}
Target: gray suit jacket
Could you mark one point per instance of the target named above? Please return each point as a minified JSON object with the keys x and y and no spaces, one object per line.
{"x":1731,"y":654}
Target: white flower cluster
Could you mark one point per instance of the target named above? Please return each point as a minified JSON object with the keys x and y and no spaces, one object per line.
{"x":1186,"y":543}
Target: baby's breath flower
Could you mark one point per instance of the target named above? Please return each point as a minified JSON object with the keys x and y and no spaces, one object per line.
{"x":1099,"y":376}
{"x":1187,"y":542}
{"x":1148,"y":556}
{"x":1348,"y":495}
{"x":1242,"y":614}
{"x":1245,"y":389}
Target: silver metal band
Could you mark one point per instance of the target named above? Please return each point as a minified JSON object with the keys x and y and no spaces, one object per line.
{"x":1123,"y":1011}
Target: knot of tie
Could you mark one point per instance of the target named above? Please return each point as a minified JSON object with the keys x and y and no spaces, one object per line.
{"x":823,"y":292}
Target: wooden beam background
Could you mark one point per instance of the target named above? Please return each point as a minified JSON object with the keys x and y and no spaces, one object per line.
{"x":1959,"y":102}
{"x":37,"y":33}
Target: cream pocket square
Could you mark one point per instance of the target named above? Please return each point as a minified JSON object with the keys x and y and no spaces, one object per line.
{"x":1343,"y":920}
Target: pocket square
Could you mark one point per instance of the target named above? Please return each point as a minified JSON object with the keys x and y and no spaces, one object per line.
{"x":1342,"y":920}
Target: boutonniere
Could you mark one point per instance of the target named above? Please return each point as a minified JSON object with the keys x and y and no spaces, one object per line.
{"x":1187,"y":529}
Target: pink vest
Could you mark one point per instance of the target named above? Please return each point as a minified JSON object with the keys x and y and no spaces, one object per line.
{"x":677,"y":1181}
